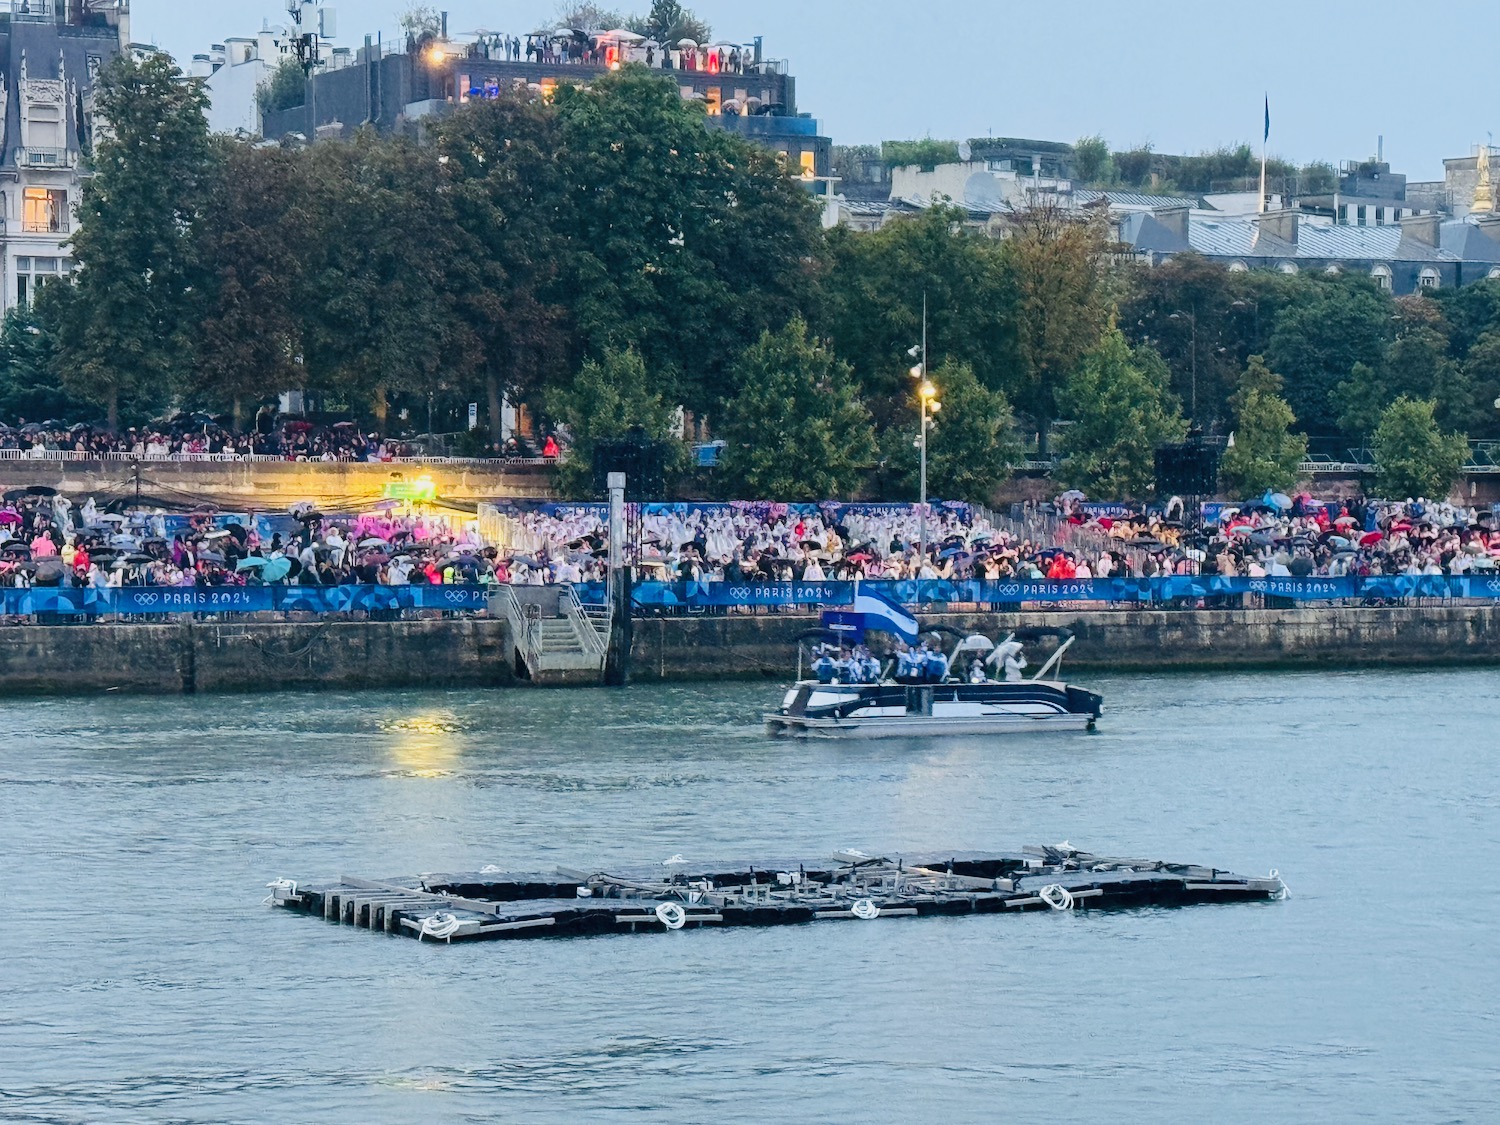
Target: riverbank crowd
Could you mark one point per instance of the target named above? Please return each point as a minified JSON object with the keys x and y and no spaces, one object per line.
{"x":47,"y":539}
{"x":200,"y":437}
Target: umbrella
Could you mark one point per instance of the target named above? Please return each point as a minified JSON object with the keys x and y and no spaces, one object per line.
{"x":9,"y":517}
{"x":693,"y":43}
{"x":1242,"y":529}
{"x":275,"y":570}
{"x":1071,"y":494}
{"x":15,"y":547}
{"x":220,"y":534}
{"x":373,"y":542}
{"x":1338,"y":541}
{"x":41,"y":490}
{"x":1369,"y":539}
{"x":251,"y":563}
{"x":1345,"y":521}
{"x":210,"y":556}
{"x":15,"y":494}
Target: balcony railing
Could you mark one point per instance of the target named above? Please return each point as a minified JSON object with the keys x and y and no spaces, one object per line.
{"x":58,"y":225}
{"x":44,"y":158}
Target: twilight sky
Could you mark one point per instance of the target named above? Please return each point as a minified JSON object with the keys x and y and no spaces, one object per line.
{"x":1338,"y":72}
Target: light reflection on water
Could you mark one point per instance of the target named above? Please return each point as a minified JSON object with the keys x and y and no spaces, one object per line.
{"x":141,"y":980}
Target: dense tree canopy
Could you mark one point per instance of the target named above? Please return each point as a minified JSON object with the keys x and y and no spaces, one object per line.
{"x":1415,"y":458}
{"x":1122,"y":411}
{"x":796,"y":430}
{"x":606,"y":259}
{"x":1265,"y":454}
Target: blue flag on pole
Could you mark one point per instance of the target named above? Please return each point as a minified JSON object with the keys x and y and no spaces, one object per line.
{"x":873,"y":611}
{"x":1267,"y":136}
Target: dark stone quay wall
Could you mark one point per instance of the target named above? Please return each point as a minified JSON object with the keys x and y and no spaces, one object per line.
{"x":206,"y":656}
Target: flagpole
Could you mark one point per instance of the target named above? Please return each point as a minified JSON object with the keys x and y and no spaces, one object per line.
{"x":1265,"y":136}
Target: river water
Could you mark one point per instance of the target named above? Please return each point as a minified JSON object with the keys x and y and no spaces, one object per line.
{"x":142,"y":981}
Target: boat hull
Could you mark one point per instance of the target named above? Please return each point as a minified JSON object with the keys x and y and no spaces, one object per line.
{"x":911,"y":710}
{"x":922,"y":725}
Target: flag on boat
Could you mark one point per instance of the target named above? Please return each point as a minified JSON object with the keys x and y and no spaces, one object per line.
{"x":871,"y":611}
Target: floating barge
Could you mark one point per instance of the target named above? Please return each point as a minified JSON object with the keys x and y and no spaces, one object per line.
{"x":491,"y":904}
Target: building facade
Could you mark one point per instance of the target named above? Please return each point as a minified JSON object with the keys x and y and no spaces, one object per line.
{"x":52,"y":50}
{"x":405,"y":89}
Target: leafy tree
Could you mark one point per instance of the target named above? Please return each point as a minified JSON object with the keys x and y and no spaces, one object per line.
{"x":249,"y":235}
{"x":28,"y":387}
{"x":669,"y":22}
{"x":1412,"y":456}
{"x":1192,"y":312}
{"x":378,"y":305}
{"x":689,"y":242}
{"x":1265,"y":454}
{"x":124,"y":342}
{"x":971,"y":442}
{"x":284,"y":88}
{"x":1416,"y":364}
{"x":1360,"y":400}
{"x":1055,"y":272}
{"x":500,"y":159}
{"x":1091,"y":160}
{"x":586,"y":16}
{"x":1482,"y":367}
{"x":608,"y":400}
{"x":418,"y":19}
{"x":1122,"y":410}
{"x":873,"y":292}
{"x":1318,"y":339}
{"x":796,"y":430}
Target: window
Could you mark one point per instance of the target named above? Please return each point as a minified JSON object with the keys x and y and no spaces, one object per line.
{"x":1428,"y":279}
{"x":1238,"y":267}
{"x":1331,"y":270}
{"x":33,"y":273}
{"x":44,"y":211}
{"x":1288,"y":267}
{"x":712,"y":99}
{"x":1382,"y":276}
{"x":1494,"y":273}
{"x":809,"y":162}
{"x":1359,"y":213}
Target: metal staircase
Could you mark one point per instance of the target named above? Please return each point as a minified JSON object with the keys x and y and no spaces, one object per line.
{"x":556,"y":639}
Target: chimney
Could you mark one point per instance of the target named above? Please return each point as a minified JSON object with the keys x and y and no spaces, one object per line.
{"x":1280,"y":224}
{"x":1175,"y":219}
{"x":1426,"y":229}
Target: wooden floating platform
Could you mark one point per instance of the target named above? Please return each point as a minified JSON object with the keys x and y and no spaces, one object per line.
{"x":491,"y":904}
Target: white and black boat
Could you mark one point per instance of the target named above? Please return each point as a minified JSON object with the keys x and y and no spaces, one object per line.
{"x":949,"y":703}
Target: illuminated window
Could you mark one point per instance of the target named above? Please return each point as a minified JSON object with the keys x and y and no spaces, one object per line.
{"x":809,"y":162}
{"x":44,"y":211}
{"x":711,"y":99}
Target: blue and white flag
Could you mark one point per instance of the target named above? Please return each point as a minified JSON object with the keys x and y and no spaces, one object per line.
{"x":872,"y":611}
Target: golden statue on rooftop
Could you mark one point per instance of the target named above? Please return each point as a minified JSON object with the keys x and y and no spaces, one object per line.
{"x":1484,"y":197}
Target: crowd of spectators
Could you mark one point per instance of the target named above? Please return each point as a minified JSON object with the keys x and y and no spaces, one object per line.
{"x":201,"y":437}
{"x":50,"y":540}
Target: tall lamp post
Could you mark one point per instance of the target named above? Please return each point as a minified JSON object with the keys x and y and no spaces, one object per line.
{"x":927,"y":405}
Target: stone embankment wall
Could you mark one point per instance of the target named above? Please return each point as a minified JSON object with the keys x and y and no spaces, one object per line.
{"x":177,"y":657}
{"x":708,"y":647}
{"x":187,"y":657}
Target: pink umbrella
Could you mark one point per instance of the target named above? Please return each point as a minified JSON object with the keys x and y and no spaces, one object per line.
{"x":9,"y":517}
{"x":1369,"y":539}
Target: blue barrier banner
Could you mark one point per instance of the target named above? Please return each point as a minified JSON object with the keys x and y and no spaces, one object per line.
{"x":145,"y":600}
{"x":240,"y":599}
